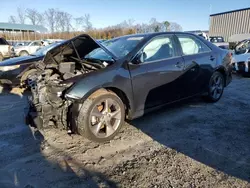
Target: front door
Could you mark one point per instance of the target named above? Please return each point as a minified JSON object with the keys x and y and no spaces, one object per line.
{"x":156,"y":80}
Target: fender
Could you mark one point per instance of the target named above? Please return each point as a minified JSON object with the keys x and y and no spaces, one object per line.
{"x":106,"y":78}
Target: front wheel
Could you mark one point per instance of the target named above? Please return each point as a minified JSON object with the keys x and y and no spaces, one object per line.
{"x":216,"y":87}
{"x":101,"y":116}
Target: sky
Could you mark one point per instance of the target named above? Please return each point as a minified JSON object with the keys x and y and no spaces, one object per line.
{"x":190,"y":14}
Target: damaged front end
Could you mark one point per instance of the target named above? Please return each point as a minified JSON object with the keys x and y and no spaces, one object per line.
{"x":61,"y":68}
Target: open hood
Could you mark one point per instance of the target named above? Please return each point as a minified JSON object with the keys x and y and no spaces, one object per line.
{"x":77,"y":47}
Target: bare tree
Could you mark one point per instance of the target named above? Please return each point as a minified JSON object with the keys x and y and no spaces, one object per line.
{"x":175,"y":26}
{"x":50,"y":16}
{"x":63,"y":21}
{"x":82,"y":22}
{"x":68,"y":20}
{"x":34,"y":16}
{"x":87,"y":24}
{"x":154,"y":25}
{"x":12,"y":19}
{"x":59,"y":21}
{"x":21,"y":16}
{"x":79,"y":22}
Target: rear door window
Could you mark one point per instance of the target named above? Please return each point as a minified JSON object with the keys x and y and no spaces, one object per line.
{"x":191,"y":45}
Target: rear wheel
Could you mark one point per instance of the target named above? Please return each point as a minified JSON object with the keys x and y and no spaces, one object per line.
{"x":216,"y":87}
{"x":101,"y":116}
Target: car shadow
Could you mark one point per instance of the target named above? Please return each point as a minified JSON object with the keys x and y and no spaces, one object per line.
{"x":204,"y":132}
{"x":22,"y":160}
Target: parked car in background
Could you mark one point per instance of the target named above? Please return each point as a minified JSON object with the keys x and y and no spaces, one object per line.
{"x":89,"y":88}
{"x":50,"y":41}
{"x":219,"y":41}
{"x":11,"y":70}
{"x":6,"y":50}
{"x":29,"y":48}
{"x":242,"y":57}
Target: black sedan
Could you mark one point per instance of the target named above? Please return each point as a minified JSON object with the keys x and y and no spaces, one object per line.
{"x":11,"y":70}
{"x":90,"y":88}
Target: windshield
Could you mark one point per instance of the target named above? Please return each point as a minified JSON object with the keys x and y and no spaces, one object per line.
{"x":120,"y":47}
{"x":42,"y":51}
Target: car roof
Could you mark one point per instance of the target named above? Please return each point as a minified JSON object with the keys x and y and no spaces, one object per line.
{"x":154,"y":34}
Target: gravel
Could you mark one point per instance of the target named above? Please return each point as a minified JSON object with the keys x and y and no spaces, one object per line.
{"x":189,"y":144}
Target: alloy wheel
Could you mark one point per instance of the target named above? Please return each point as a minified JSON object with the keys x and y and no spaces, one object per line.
{"x":216,"y":88}
{"x":105,"y":118}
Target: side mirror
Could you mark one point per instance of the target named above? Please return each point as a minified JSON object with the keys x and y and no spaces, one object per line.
{"x":141,"y":56}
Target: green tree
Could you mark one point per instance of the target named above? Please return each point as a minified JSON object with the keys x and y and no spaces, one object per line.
{"x":157,"y":28}
{"x":167,"y":24}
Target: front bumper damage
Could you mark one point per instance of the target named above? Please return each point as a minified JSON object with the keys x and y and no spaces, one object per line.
{"x":46,"y":116}
{"x":47,"y":105}
{"x":59,"y":71}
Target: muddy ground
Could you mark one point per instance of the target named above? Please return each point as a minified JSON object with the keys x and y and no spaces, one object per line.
{"x":190,"y":144}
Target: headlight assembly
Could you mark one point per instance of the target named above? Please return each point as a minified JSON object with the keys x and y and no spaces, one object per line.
{"x":9,"y":68}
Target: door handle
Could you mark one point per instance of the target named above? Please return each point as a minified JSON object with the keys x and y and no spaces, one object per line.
{"x":179,"y":65}
{"x":212,"y":58}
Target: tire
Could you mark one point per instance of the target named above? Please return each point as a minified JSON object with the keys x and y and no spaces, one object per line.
{"x":23,"y":53}
{"x":101,"y":128}
{"x":1,"y":57}
{"x":215,"y":87}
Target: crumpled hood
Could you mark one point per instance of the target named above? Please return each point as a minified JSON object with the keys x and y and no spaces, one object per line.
{"x":20,"y":60}
{"x":78,"y":46}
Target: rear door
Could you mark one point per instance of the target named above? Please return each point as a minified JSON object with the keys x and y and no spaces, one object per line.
{"x":156,"y":79}
{"x":199,"y":63}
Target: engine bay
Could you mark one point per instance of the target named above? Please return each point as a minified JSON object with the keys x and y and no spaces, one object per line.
{"x":53,"y":76}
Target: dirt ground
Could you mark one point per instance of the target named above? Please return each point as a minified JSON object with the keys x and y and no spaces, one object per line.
{"x":190,"y":144}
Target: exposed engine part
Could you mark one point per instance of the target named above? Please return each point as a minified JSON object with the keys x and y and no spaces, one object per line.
{"x":67,"y":67}
{"x":48,"y":102}
{"x":53,"y":77}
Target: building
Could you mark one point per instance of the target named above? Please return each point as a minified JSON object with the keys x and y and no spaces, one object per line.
{"x":18,"y":31}
{"x":226,"y":24}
